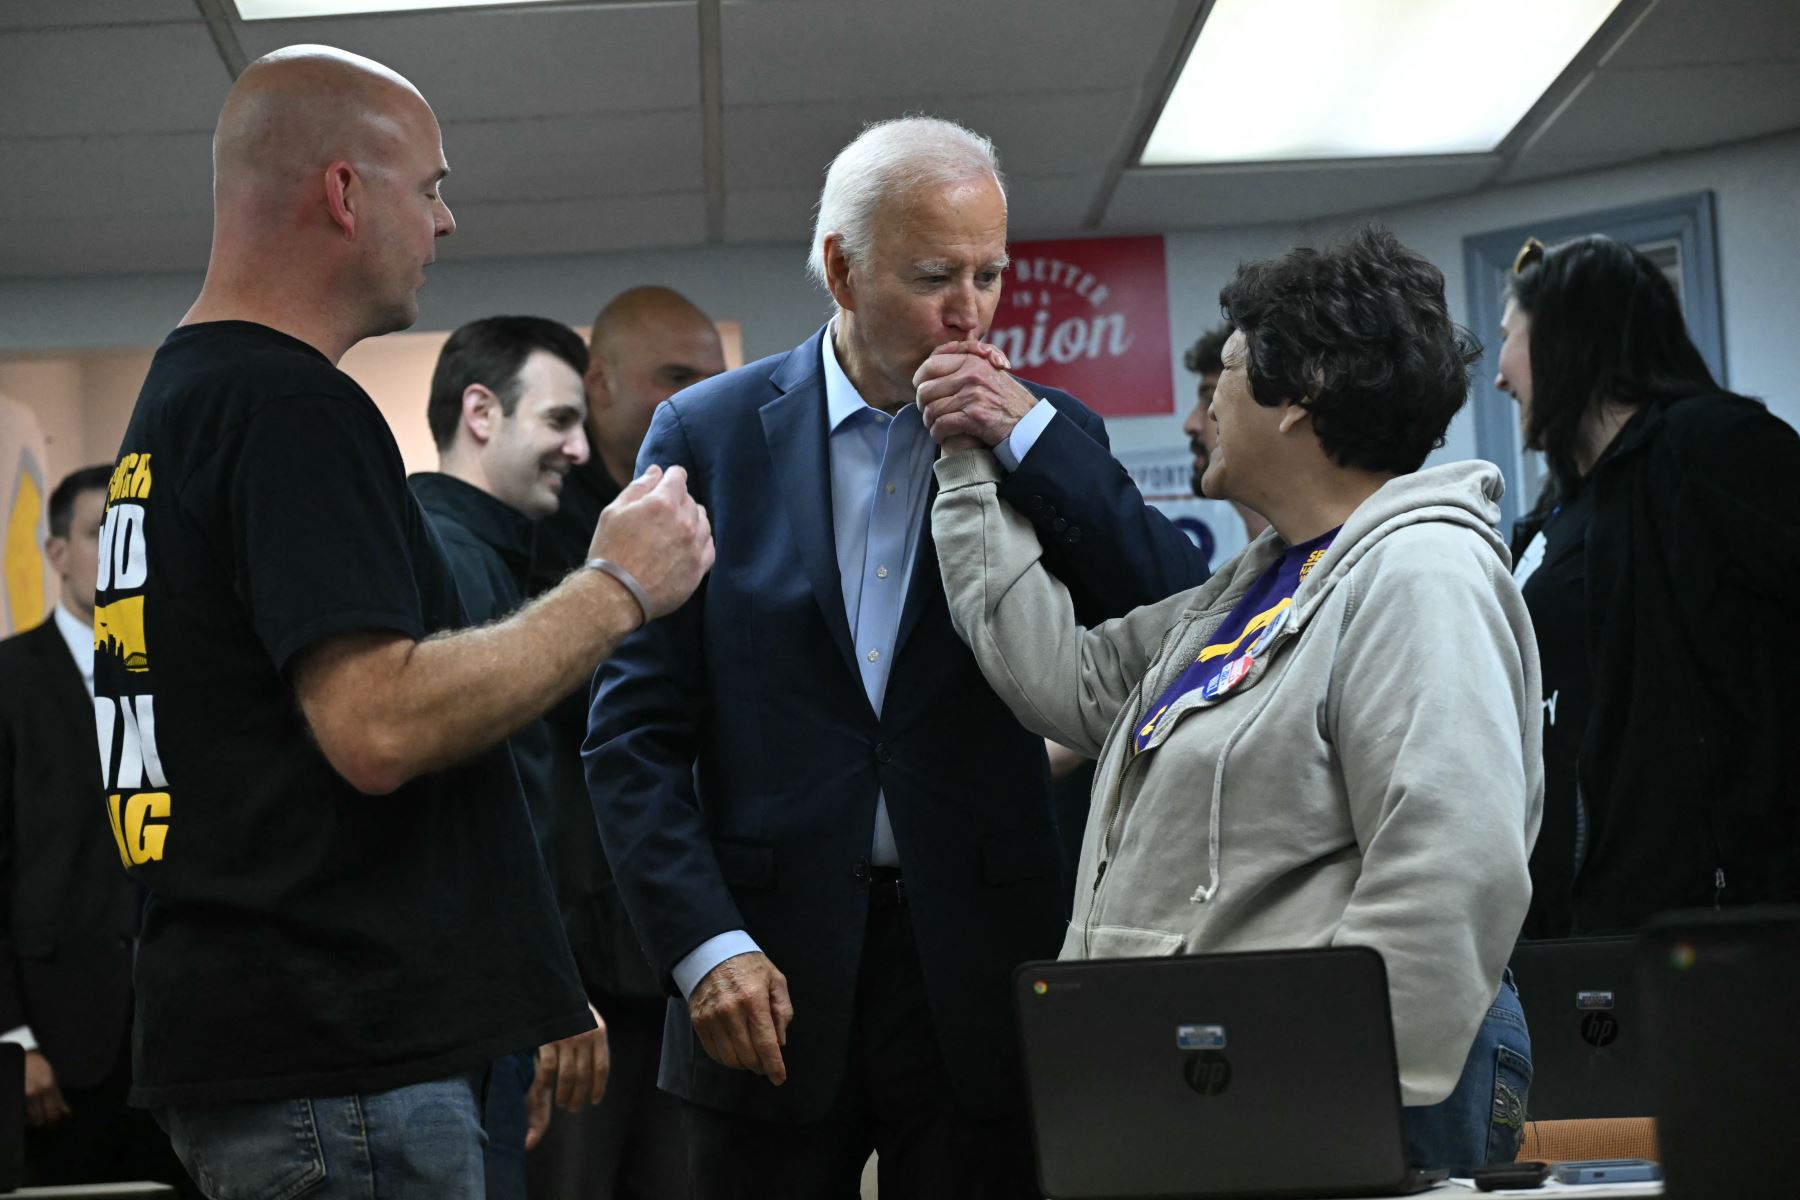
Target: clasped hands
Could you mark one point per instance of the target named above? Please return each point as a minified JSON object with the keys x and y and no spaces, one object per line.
{"x":967,"y":396}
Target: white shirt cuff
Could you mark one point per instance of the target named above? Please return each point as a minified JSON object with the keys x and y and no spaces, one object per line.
{"x":1015,"y":446}
{"x":21,"y":1036}
{"x":709,"y":954}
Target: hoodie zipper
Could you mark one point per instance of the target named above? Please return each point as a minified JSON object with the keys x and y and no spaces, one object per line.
{"x":1112,"y":818}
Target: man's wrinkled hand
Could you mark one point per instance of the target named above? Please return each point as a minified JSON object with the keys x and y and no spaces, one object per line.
{"x":741,"y":1011}
{"x":656,"y":531}
{"x":965,"y":389}
{"x":44,"y":1103}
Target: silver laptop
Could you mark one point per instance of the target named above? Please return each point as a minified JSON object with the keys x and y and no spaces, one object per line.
{"x":1265,"y":1074}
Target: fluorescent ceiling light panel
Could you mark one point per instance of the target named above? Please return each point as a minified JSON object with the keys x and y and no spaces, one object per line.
{"x":269,"y":10}
{"x":1299,"y":79}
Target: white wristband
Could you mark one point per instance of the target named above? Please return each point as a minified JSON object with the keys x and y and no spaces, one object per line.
{"x":625,"y":578}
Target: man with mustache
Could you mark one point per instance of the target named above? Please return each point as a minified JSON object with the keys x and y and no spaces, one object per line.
{"x":1204,"y":359}
{"x":507,"y":409}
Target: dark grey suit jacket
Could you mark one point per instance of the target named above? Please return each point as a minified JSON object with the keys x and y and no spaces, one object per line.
{"x":68,"y":912}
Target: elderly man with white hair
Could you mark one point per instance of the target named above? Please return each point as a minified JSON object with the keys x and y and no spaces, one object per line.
{"x":833,"y":840}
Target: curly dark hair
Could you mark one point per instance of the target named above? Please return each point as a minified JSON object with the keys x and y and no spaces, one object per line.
{"x":1360,"y":335}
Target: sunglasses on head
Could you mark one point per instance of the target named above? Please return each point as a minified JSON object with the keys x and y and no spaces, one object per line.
{"x":1531,"y":252}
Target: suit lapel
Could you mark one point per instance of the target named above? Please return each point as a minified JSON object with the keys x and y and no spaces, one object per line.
{"x":63,"y":687}
{"x":794,"y":427}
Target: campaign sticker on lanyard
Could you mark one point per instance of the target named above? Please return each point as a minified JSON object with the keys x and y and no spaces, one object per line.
{"x":1229,"y":676}
{"x":1276,"y":624}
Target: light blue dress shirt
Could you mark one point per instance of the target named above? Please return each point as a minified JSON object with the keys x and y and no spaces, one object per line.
{"x":880,"y":477}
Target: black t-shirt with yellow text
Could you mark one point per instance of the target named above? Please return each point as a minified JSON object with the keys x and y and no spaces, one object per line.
{"x":300,"y":938}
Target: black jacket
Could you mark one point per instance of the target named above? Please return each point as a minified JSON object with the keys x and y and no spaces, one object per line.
{"x":488,"y":545}
{"x":67,"y":909}
{"x":1690,"y":761}
{"x":613,"y":966}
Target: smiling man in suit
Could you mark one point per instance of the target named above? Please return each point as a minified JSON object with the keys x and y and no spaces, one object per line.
{"x":833,"y":839}
{"x":67,"y":910}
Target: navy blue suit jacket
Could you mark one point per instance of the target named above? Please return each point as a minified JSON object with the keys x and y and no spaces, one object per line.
{"x":734,"y":760}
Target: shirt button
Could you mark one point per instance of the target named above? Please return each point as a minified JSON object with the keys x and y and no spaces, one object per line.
{"x":881,"y":572}
{"x":1059,"y":524}
{"x":890,"y":489}
{"x":882,"y":754}
{"x":874,"y":656}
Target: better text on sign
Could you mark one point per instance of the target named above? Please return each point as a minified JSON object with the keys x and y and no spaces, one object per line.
{"x":1091,"y":316}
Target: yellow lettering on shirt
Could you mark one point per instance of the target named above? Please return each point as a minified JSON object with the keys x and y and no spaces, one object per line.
{"x":146,"y":826}
{"x":112,"y":816}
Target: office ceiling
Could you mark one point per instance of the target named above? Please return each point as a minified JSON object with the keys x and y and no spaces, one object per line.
{"x":599,"y":126}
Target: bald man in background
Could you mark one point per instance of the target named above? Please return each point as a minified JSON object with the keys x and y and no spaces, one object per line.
{"x":648,"y":343}
{"x":348,"y":918}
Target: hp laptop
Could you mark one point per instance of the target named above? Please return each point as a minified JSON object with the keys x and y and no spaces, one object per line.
{"x":1265,"y":1074}
{"x":1721,"y":990}
{"x":1588,"y":1048}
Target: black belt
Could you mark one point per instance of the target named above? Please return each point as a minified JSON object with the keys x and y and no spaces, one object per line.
{"x":887,"y":888}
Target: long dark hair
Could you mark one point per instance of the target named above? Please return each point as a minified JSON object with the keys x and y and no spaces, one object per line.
{"x":1606,"y":327}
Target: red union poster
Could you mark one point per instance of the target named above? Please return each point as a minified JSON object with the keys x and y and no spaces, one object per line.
{"x":1091,"y":316}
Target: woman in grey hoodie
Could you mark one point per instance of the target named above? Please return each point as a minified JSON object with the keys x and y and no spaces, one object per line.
{"x":1337,"y":739}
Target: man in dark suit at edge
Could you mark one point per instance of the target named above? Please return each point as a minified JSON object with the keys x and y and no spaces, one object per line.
{"x":833,"y":839}
{"x":70,"y":912}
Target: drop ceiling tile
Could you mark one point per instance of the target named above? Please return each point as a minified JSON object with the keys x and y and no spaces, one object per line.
{"x":476,"y":64}
{"x":1712,"y":31}
{"x":51,"y":14}
{"x":493,"y":230}
{"x":789,"y":51}
{"x":770,"y":214}
{"x":1624,"y":115}
{"x":124,"y":246}
{"x":1188,"y":198}
{"x":561,"y":158}
{"x":110,"y":80}
{"x":773,"y":146}
{"x":149,"y":174}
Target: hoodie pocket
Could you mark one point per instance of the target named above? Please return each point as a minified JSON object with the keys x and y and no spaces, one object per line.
{"x":1123,"y":941}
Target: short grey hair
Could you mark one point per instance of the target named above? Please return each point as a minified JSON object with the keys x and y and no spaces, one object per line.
{"x":886,"y":159}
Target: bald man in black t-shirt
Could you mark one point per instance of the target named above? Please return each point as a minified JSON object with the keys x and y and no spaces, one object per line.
{"x":348,"y":918}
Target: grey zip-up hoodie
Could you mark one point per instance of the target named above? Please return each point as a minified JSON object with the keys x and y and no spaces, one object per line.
{"x":1375,"y":779}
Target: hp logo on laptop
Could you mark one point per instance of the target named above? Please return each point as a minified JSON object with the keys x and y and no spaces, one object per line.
{"x":1599,"y":1028}
{"x":1208,"y":1072}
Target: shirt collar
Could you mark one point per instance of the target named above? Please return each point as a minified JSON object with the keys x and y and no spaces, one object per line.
{"x":496,"y":523}
{"x":842,"y":400}
{"x":80,"y":638}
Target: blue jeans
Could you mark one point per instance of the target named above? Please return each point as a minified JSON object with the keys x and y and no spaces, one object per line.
{"x":504,"y":1120}
{"x":422,"y":1142}
{"x":1483,"y":1120}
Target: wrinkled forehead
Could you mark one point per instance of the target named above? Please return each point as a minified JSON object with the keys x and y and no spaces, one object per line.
{"x":1236,"y":350}
{"x":965,"y":219}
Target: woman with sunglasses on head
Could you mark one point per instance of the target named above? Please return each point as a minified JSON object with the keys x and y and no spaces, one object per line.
{"x":1335,"y":740}
{"x":1662,"y":570}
